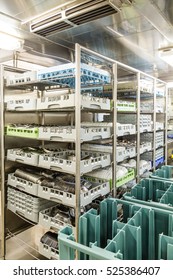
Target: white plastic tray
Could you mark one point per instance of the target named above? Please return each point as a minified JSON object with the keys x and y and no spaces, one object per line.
{"x":61,"y":163}
{"x":159,"y":126}
{"x":144,"y":167}
{"x":60,"y":133}
{"x":125,"y":129}
{"x":19,"y":155}
{"x":22,"y":104}
{"x":49,"y":222}
{"x":145,"y":147}
{"x":26,"y":205}
{"x":68,"y":101}
{"x":48,"y":252}
{"x":145,"y":128}
{"x":132,"y":86}
{"x":22,"y":184}
{"x":69,"y":199}
{"x":26,"y":77}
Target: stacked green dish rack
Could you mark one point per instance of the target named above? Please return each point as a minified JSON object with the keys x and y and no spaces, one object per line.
{"x":138,"y":227}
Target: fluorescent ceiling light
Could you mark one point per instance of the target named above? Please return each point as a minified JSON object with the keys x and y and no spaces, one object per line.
{"x":8,"y":42}
{"x":167,"y":55}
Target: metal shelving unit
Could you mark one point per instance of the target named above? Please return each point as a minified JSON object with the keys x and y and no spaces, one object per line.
{"x":117,"y":71}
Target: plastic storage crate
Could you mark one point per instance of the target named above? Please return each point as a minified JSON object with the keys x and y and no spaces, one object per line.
{"x":46,"y":248}
{"x":48,"y":252}
{"x":126,"y":106}
{"x":106,"y":174}
{"x":145,"y":121}
{"x":26,"y":205}
{"x":65,"y":74}
{"x":27,"y":77}
{"x":122,"y":153}
{"x":122,"y":129}
{"x":22,"y":104}
{"x":22,"y":184}
{"x":55,"y":223}
{"x":165,"y":251}
{"x":165,"y":173}
{"x":29,"y":157}
{"x":154,"y":192}
{"x":68,"y":133}
{"x":148,"y":137}
{"x":145,"y":147}
{"x":159,"y":126}
{"x":144,"y":166}
{"x":148,"y":107}
{"x":99,"y":188}
{"x":132,"y":86}
{"x":125,"y":129}
{"x":133,"y":235}
{"x":65,"y":161}
{"x":28,"y":131}
{"x":67,"y":101}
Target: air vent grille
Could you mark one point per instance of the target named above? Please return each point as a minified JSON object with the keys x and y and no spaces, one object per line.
{"x":46,"y":21}
{"x":76,"y":15}
{"x":51,"y":29}
{"x":92,"y":15}
{"x":83,"y":6}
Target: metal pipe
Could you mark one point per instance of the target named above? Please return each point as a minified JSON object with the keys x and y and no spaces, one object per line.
{"x":138,"y":127}
{"x":154,"y":126}
{"x":114,"y":127}
{"x":78,"y":142}
{"x":166,"y":123}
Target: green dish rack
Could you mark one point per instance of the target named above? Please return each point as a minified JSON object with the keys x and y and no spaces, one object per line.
{"x":22,"y":131}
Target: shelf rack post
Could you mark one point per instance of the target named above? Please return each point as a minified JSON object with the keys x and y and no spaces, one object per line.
{"x":138,"y":128}
{"x":154,"y":126}
{"x":166,"y":123}
{"x":2,"y":154}
{"x":114,"y":126}
{"x":78,"y":142}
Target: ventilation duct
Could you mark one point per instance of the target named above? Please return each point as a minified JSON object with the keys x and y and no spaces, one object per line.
{"x":73,"y":16}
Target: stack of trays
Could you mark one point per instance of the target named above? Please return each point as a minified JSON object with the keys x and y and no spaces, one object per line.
{"x":57,"y":187}
{"x":26,"y":205}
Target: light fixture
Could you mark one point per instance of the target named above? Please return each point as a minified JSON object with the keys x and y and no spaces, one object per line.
{"x":167,"y":55}
{"x":9,"y":42}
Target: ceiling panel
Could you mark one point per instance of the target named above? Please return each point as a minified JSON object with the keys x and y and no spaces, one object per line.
{"x":25,"y":9}
{"x":132,"y":36}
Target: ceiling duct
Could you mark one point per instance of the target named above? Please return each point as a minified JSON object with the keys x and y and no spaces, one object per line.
{"x":73,"y":16}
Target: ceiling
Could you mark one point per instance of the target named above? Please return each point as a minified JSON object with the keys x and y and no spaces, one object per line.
{"x":132,"y":34}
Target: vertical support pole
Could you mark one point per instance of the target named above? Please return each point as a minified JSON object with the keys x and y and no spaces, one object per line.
{"x":78,"y":142}
{"x":2,"y":158}
{"x":166,"y":123}
{"x":114,"y":127}
{"x":154,"y":127}
{"x":138,"y":128}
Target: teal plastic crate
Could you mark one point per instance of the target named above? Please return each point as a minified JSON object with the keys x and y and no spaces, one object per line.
{"x":165,"y":173}
{"x":152,"y":192}
{"x":120,"y":230}
{"x":165,"y":249}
